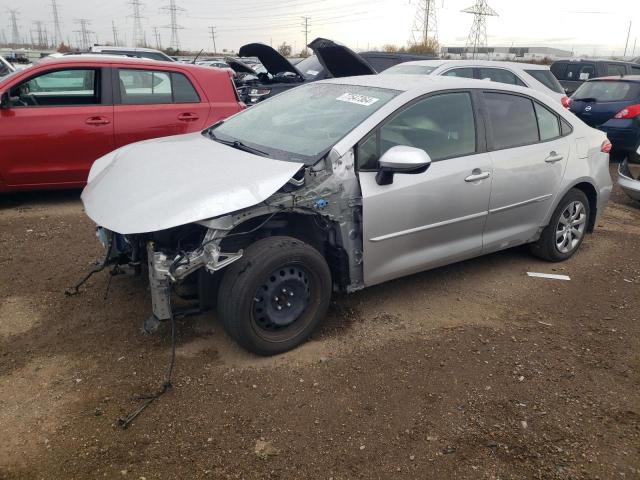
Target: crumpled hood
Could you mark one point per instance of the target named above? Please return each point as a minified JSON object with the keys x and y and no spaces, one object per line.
{"x":172,"y":181}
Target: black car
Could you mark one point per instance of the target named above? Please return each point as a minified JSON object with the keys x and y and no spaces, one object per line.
{"x":331,"y":59}
{"x":573,"y":73}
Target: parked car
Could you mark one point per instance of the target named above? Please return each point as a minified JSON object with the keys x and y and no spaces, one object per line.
{"x":574,"y":72}
{"x":611,"y":104}
{"x":149,"y":53}
{"x":342,"y":184}
{"x":629,"y":176}
{"x":537,"y":77}
{"x":331,"y":60}
{"x":5,"y":67}
{"x":60,"y":115}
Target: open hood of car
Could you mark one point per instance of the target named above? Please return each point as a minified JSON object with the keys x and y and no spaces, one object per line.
{"x":340,"y":61}
{"x":239,"y":66}
{"x":269,"y":57}
{"x":172,"y":181}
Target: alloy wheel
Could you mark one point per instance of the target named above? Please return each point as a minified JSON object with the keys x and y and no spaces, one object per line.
{"x":571,"y":226}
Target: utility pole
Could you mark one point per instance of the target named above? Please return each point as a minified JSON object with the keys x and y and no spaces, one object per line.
{"x":84,"y":33}
{"x":173,"y":10}
{"x":138,"y":32}
{"x":57,"y":31}
{"x":115,"y":34}
{"x":212,"y":32}
{"x":306,"y":31}
{"x":425,"y":23}
{"x":627,"y":43}
{"x":478,"y":34}
{"x":156,"y":35}
{"x":15,"y":32}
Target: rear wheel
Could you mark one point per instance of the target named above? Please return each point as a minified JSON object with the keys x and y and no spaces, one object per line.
{"x":272,"y":299}
{"x":566,"y":230}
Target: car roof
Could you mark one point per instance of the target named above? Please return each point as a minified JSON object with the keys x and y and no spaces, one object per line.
{"x":625,"y":78}
{"x":101,"y":58}
{"x":593,"y":60}
{"x":478,"y":63}
{"x":424,"y":83}
{"x":124,"y":49}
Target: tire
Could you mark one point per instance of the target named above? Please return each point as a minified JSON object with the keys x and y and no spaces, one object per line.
{"x":562,"y":237}
{"x":275,"y":296}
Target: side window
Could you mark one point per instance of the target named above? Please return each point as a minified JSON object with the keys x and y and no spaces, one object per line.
{"x":548,"y":123}
{"x":572,"y":71}
{"x":559,"y":69}
{"x":566,"y":128}
{"x":441,"y":125}
{"x":587,"y":72}
{"x":500,"y":75}
{"x":60,"y":88}
{"x":512,"y":119}
{"x":459,"y":72}
{"x":635,"y":70}
{"x":144,"y":87}
{"x":616,"y":70}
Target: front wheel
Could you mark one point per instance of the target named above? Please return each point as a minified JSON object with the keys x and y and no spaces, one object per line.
{"x":272,"y":299}
{"x":566,"y":230}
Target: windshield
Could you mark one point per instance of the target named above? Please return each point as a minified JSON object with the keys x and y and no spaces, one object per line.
{"x":608,"y":91}
{"x":409,"y":69}
{"x":302,"y":124}
{"x":546,"y":78}
{"x":310,"y":67}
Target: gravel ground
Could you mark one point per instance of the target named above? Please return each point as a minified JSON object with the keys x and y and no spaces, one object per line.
{"x":469,"y":371}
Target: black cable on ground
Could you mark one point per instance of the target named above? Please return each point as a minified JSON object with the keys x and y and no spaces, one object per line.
{"x":76,"y":288}
{"x":124,"y":422}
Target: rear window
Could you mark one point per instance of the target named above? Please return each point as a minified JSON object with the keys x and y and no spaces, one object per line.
{"x":608,"y":91}
{"x":410,"y":69}
{"x":546,"y":78}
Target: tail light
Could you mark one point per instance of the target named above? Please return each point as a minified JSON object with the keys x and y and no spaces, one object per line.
{"x":632,"y":111}
{"x":606,"y":146}
{"x":566,"y":102}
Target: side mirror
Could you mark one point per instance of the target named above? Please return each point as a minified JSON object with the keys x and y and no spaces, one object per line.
{"x":4,"y":99}
{"x":401,"y":159}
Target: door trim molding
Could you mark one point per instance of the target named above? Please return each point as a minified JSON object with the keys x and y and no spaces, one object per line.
{"x":428,"y":227}
{"x":521,"y":204}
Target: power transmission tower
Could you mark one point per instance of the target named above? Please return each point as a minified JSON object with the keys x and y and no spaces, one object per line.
{"x":115,"y":34}
{"x":156,"y":35}
{"x":173,"y":10}
{"x":13,"y":22}
{"x":425,"y":23}
{"x":478,"y":34}
{"x":84,"y":33}
{"x":3,"y":38}
{"x":306,"y":31}
{"x":138,"y":31}
{"x":40,"y":34}
{"x":212,"y":32}
{"x":57,"y":32}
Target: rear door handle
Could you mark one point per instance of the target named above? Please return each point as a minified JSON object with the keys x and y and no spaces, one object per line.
{"x":97,"y":121}
{"x":477,"y":175}
{"x":553,"y":157}
{"x":188,"y":117}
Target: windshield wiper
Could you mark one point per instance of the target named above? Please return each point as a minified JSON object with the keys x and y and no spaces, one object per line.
{"x":237,"y":144}
{"x":585,"y":99}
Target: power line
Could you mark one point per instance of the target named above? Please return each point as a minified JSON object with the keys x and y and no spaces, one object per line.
{"x":173,"y":10}
{"x":212,"y":32}
{"x":138,"y":32}
{"x":57,"y":31}
{"x":478,"y":34}
{"x":425,"y":24}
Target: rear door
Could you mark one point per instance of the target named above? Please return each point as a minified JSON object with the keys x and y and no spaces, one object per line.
{"x":529,"y":154}
{"x":58,"y":122}
{"x":151,"y":103}
{"x":427,"y":219}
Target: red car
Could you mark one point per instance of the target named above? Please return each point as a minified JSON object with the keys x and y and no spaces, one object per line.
{"x":60,"y":115}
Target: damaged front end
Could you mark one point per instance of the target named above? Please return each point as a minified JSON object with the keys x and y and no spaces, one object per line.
{"x":320,"y":205}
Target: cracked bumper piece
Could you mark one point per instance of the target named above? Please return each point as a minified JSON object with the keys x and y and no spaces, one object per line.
{"x":165,"y":271}
{"x":629,"y":185}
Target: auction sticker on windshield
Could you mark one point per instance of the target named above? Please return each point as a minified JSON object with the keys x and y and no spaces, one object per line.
{"x":357,"y":99}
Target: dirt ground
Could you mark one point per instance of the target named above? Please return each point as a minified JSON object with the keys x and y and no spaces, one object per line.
{"x":469,"y":371}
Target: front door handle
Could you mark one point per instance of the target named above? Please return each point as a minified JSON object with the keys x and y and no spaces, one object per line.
{"x":188,"y":117}
{"x":477,"y":175}
{"x":97,"y":121}
{"x":553,"y":157}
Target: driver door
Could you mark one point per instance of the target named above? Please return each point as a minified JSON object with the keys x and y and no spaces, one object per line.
{"x":57,"y":123}
{"x":424,"y":220}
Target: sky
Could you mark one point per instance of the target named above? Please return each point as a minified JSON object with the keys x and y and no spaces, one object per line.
{"x":584,"y":26}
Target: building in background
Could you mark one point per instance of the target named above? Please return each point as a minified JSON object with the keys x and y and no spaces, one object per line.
{"x":508,"y":53}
